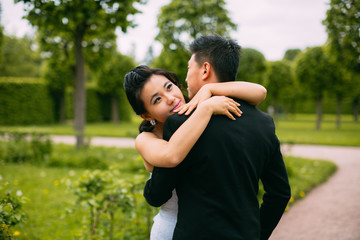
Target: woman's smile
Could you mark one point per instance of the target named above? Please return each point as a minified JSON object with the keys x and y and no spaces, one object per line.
{"x":176,"y":106}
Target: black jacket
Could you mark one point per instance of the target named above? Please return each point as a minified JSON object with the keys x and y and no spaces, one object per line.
{"x":217,"y":183}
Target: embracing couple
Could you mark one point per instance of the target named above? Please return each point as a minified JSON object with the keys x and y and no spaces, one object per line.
{"x":207,"y":156}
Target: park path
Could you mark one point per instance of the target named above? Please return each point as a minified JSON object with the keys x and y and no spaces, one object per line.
{"x":329,"y":212}
{"x":332,"y":210}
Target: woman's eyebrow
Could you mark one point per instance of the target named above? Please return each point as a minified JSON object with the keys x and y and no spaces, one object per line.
{"x":155,"y":94}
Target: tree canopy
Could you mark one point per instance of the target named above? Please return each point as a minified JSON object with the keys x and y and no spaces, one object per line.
{"x":80,"y":22}
{"x":252,"y":66}
{"x":343,"y":27}
{"x":181,"y":22}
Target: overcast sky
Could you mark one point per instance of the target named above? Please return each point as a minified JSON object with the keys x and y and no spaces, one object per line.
{"x":270,"y":26}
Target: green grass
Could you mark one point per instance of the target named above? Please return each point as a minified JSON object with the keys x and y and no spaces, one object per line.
{"x":299,"y":129}
{"x":46,"y":187}
{"x":47,"y":218}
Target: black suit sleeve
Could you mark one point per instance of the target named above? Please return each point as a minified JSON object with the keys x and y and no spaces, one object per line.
{"x":277,"y":192}
{"x":158,"y":189}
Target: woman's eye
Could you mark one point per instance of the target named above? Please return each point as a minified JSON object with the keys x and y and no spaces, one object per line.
{"x":169,"y":86}
{"x":157,"y":100}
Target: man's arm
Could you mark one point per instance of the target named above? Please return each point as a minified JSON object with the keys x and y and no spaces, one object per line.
{"x":158,"y":189}
{"x":277,"y":193}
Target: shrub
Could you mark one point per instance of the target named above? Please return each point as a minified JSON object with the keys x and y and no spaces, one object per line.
{"x":11,"y":212}
{"x":20,"y":147}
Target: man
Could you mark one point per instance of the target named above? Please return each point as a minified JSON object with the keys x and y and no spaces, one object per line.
{"x":217,"y":183}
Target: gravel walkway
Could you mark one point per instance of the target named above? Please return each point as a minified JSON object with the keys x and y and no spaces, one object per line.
{"x":329,"y":212}
{"x":332,"y":210}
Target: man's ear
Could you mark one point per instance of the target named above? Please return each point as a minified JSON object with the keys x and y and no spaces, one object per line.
{"x":206,"y":67}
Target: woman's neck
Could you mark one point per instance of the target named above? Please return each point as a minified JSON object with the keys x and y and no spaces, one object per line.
{"x":158,"y":130}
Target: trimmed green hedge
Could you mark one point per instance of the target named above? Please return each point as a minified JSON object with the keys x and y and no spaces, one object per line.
{"x":24,"y":102}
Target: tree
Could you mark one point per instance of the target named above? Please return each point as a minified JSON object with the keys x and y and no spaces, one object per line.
{"x":313,"y":70}
{"x":111,"y":80}
{"x":1,"y":33}
{"x":343,"y":27}
{"x":180,"y":22}
{"x":20,"y":58}
{"x":252,"y":66}
{"x":80,"y":21}
{"x":291,"y":54}
{"x":279,"y":78}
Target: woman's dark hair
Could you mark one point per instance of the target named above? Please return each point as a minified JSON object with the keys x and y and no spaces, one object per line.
{"x":134,"y":83}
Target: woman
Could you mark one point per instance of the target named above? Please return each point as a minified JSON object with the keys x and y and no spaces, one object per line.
{"x":154,"y":95}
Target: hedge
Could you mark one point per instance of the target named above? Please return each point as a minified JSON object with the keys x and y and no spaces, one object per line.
{"x":27,"y":101}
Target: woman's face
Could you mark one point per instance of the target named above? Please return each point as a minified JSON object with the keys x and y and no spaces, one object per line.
{"x":161,"y":97}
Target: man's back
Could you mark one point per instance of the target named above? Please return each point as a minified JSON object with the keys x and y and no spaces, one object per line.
{"x":218,"y":181}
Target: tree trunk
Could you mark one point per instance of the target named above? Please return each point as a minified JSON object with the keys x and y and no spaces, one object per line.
{"x":80,"y":94}
{"x":318,"y":113}
{"x":356,"y":109}
{"x":114,"y":109}
{"x":338,"y":113}
{"x":62,"y":112}
{"x":276,"y":110}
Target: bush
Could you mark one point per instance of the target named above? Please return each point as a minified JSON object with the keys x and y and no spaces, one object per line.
{"x":11,"y":212}
{"x":20,"y":147}
{"x":24,"y":102}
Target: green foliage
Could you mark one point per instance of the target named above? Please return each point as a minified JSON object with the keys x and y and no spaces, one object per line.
{"x":19,"y":59}
{"x":280,"y":82}
{"x":103,"y":193}
{"x":291,"y":54}
{"x":174,"y":61}
{"x":252,"y":66}
{"x":343,"y":27}
{"x":11,"y":212}
{"x":313,"y":70}
{"x":50,"y":219}
{"x":24,"y":101}
{"x":20,"y":147}
{"x":180,"y":22}
{"x":111,"y":77}
{"x":82,"y":24}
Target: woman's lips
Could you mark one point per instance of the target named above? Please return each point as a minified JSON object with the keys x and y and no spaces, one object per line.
{"x":176,"y":106}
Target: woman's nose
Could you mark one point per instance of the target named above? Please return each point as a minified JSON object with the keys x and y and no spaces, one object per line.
{"x":170,"y":99}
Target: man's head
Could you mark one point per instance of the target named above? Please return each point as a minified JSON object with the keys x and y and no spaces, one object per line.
{"x":214,"y":59}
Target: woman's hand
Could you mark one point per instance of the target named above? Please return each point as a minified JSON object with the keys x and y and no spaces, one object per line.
{"x":220,"y":105}
{"x":203,"y":94}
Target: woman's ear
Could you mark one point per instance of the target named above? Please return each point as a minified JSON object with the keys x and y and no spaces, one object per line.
{"x":146,"y":116}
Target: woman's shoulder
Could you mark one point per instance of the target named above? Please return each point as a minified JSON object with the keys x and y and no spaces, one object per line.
{"x":144,"y":136}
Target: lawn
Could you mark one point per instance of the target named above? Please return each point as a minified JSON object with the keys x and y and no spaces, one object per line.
{"x":298,"y":129}
{"x":50,"y":198}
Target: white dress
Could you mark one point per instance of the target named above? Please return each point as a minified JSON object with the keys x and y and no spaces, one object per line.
{"x":165,"y":220}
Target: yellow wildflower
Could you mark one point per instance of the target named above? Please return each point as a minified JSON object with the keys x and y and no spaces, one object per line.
{"x":287,"y":208}
{"x":292,"y":199}
{"x":16,"y":233}
{"x":56,"y":182}
{"x":302,"y":194}
{"x":46,"y":191}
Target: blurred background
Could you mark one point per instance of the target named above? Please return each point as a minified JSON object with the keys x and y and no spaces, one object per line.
{"x":62,"y":65}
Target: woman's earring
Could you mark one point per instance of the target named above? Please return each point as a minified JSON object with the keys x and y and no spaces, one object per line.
{"x":152,"y":122}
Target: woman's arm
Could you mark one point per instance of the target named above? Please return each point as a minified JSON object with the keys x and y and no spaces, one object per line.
{"x":251,"y":92}
{"x":161,"y":153}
